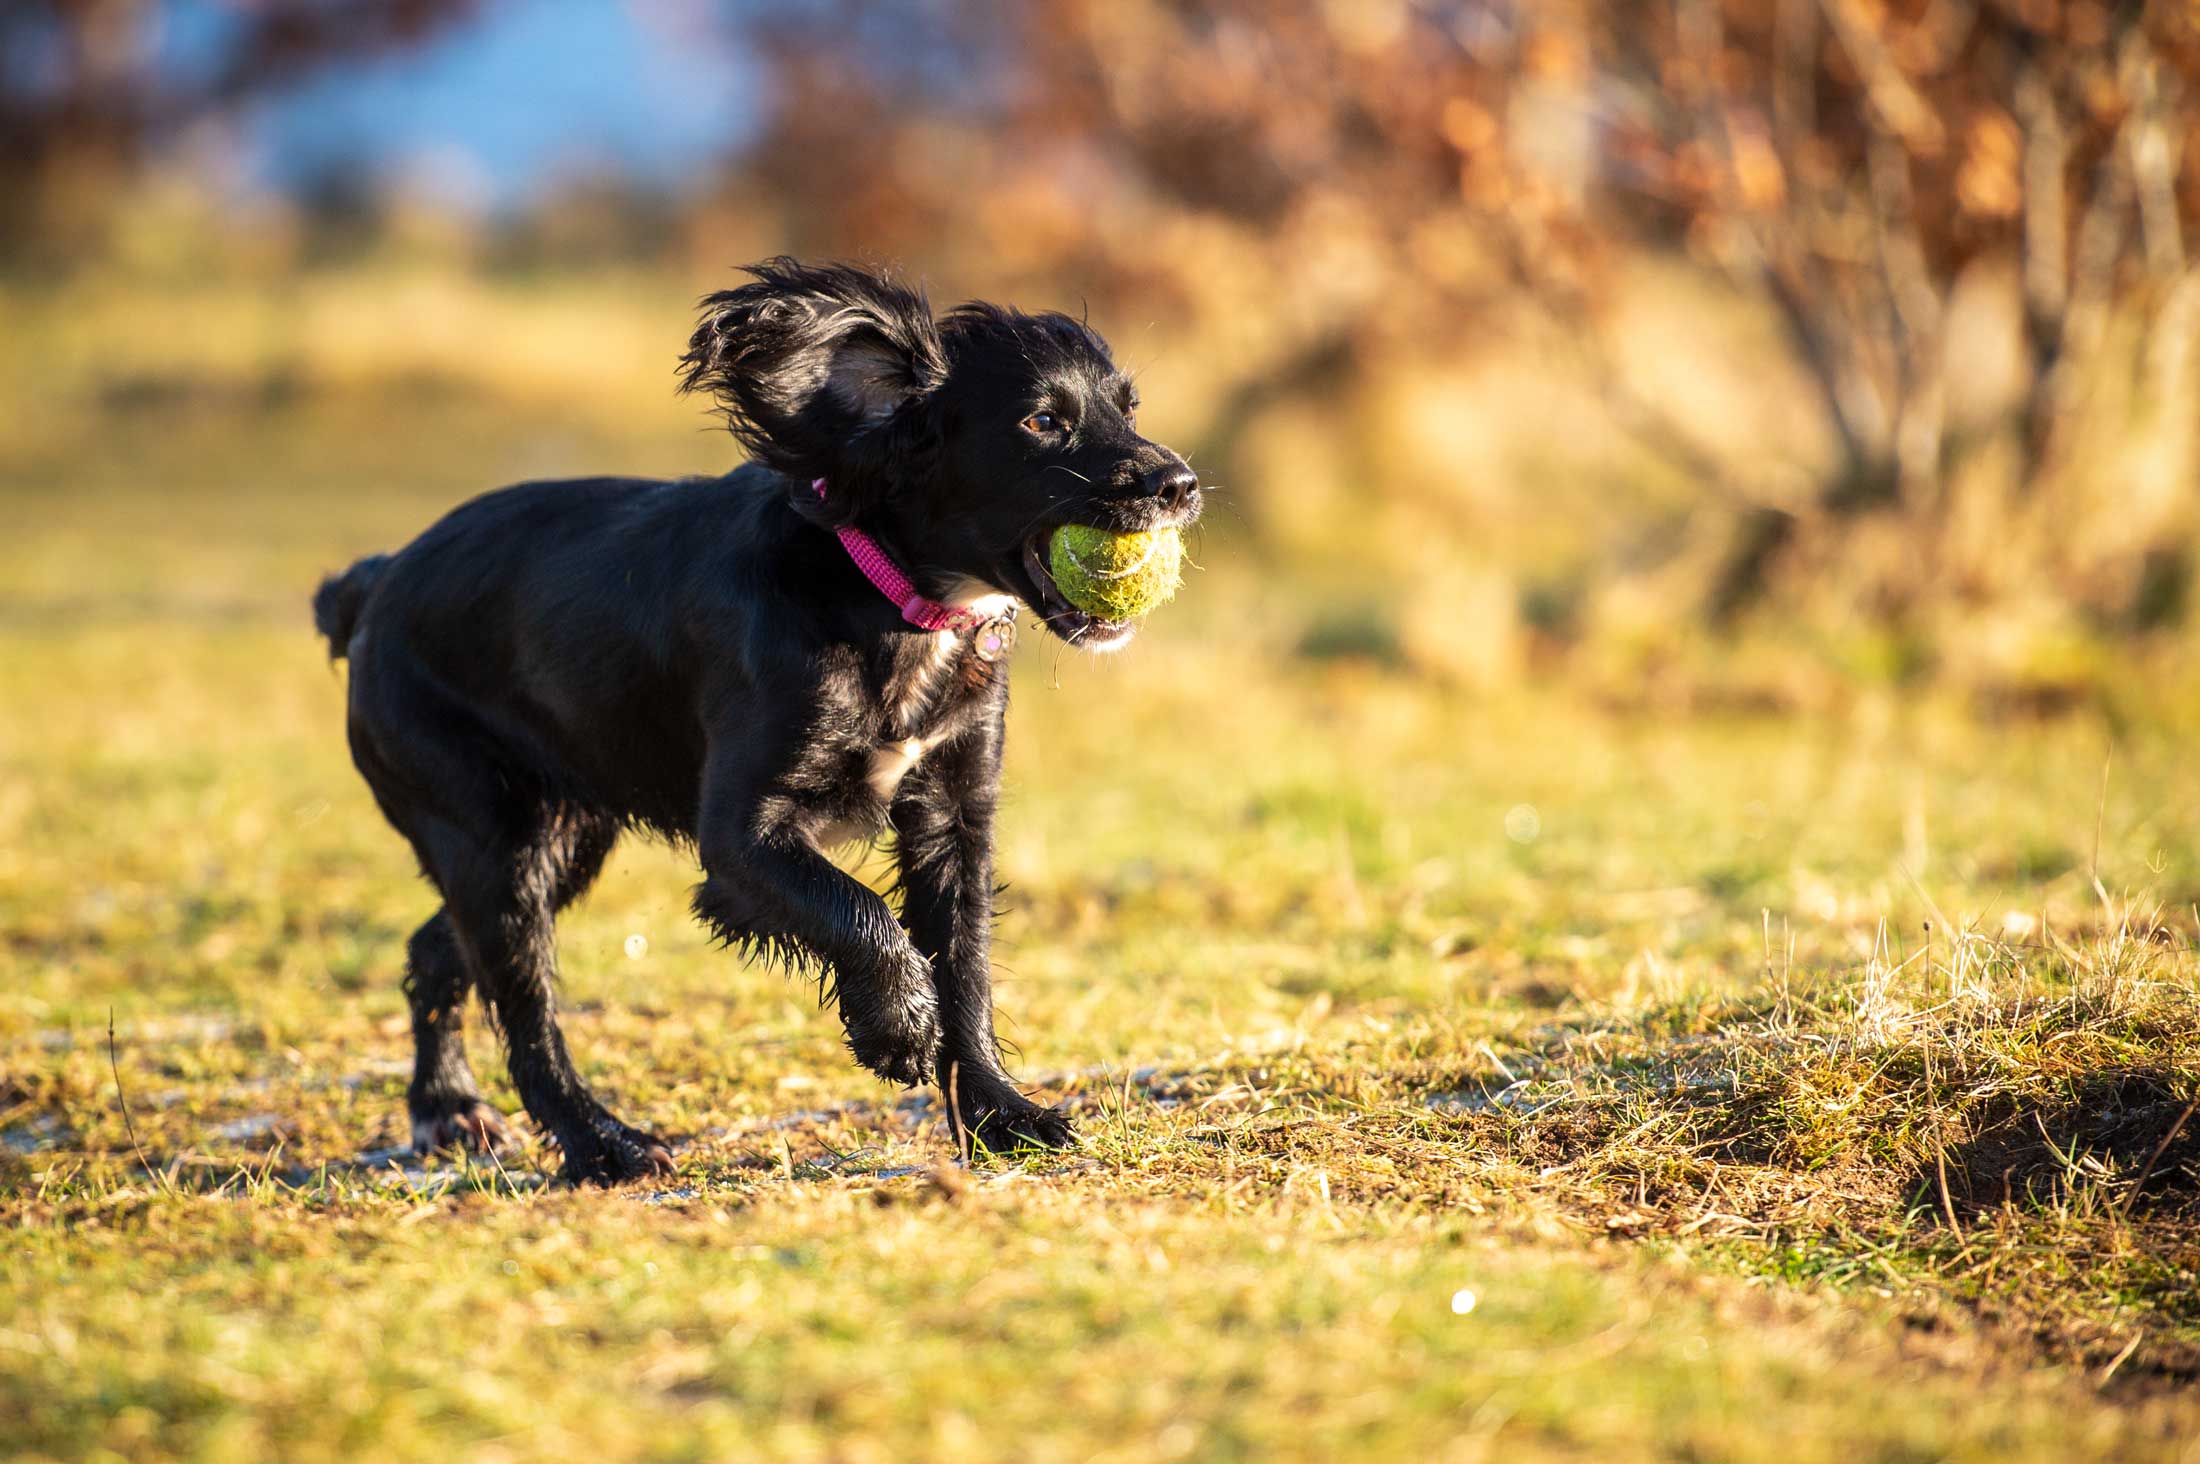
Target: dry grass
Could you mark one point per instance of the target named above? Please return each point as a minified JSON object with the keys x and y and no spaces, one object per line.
{"x":2000,"y":1124}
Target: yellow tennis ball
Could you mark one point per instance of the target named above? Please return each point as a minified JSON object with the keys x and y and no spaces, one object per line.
{"x":1115,"y":576}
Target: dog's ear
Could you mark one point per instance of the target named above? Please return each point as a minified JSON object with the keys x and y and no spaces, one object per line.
{"x":823,"y":371}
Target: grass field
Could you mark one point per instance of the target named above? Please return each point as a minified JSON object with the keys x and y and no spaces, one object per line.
{"x":1463,"y":1076}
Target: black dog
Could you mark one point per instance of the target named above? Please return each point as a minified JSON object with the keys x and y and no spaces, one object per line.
{"x":555,"y":663}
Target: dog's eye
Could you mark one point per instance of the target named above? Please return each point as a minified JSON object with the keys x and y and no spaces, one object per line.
{"x":1045,"y":424}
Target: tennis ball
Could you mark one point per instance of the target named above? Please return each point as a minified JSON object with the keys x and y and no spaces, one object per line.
{"x":1115,"y":576}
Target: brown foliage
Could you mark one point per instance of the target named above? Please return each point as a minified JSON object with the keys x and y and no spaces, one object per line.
{"x":1322,"y":178}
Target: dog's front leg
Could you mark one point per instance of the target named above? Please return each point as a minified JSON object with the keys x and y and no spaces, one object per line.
{"x":943,"y":828}
{"x":767,"y":889}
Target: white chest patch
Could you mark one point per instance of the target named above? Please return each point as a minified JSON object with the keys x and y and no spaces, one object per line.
{"x":908,"y":699}
{"x":909,"y":702}
{"x":891,"y":762}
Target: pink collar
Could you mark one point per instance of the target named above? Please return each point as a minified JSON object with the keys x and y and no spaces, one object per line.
{"x":883,"y":573}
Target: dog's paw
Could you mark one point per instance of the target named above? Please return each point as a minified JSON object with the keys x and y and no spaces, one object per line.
{"x":896,"y":1033}
{"x":463,"y":1123}
{"x":1032,"y":1128}
{"x":608,"y":1152}
{"x":900,"y":1052}
{"x":1002,"y":1120}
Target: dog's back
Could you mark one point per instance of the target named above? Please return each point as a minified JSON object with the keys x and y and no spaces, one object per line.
{"x":554,"y":620}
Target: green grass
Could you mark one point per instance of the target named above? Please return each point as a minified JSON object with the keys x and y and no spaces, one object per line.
{"x":1369,"y":992}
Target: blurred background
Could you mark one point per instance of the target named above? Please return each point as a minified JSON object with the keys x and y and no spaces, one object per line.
{"x":1699,"y":352}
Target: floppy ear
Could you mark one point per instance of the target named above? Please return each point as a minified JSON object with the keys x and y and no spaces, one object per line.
{"x":823,"y":371}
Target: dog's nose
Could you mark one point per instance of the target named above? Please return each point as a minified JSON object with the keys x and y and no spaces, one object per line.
{"x":1172,"y":483}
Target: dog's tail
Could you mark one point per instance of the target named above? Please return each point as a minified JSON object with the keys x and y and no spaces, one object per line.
{"x":337,"y":603}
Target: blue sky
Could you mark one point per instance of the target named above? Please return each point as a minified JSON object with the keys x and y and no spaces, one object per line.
{"x":494,"y":108}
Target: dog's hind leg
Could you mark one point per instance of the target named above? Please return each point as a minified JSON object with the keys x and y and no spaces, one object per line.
{"x":506,"y":859}
{"x":445,"y":1103}
{"x":407,"y":774}
{"x":502,"y":896}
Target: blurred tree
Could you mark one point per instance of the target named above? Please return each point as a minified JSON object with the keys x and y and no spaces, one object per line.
{"x":1851,"y":159}
{"x":1284,"y":176}
{"x":89,"y":88}
{"x":1317,"y":180}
